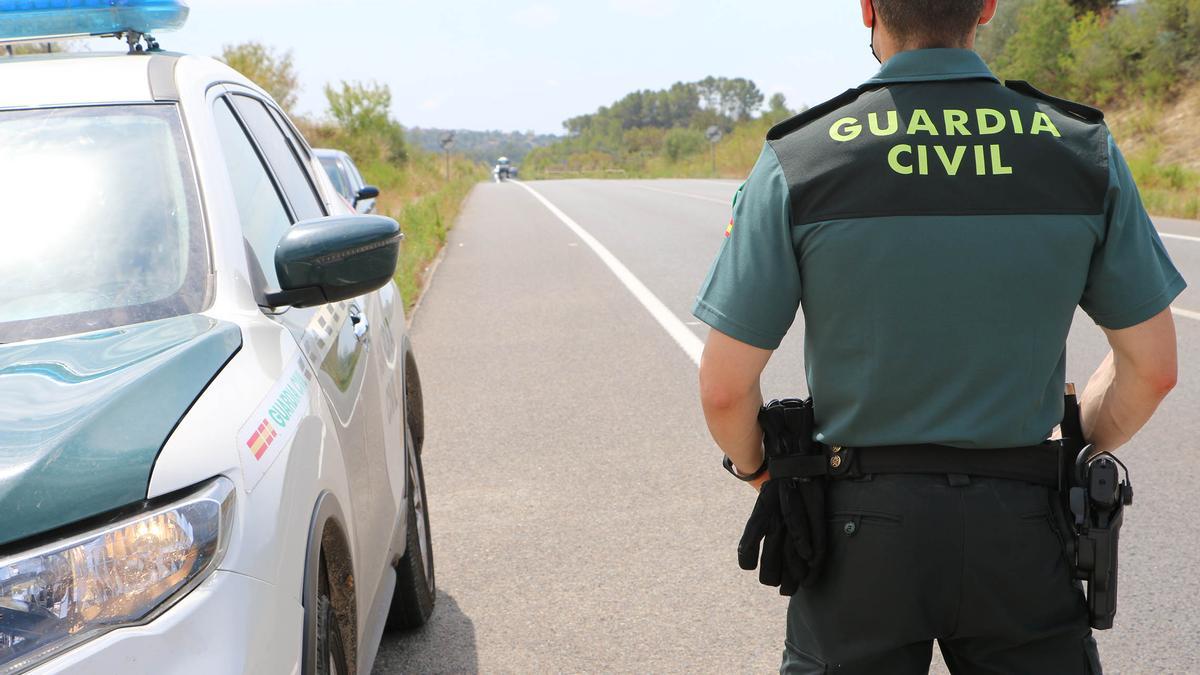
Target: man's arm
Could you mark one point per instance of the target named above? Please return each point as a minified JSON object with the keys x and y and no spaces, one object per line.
{"x":730,"y":392}
{"x":1127,"y":388}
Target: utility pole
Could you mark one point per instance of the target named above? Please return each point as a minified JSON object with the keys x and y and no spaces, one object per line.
{"x":714,"y":134}
{"x":447,"y":143}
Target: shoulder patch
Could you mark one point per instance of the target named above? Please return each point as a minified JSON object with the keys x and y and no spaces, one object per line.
{"x":1078,"y":110}
{"x":789,"y":125}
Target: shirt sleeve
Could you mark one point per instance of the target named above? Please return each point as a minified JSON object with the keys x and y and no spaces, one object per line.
{"x":753,"y":289}
{"x":1132,"y":278}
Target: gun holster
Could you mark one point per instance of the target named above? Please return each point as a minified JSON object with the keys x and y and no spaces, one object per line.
{"x":1094,"y":492}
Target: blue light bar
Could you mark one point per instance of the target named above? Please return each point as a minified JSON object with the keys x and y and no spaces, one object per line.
{"x":31,"y":19}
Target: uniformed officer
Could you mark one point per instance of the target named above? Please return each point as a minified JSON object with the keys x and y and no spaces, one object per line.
{"x":938,"y":230}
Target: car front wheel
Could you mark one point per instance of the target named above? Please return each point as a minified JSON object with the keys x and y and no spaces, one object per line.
{"x":331,"y":650}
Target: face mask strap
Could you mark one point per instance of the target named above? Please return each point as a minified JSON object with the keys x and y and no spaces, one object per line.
{"x":874,"y":20}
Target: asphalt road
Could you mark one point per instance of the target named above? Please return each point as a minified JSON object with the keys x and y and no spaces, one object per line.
{"x":581,"y":522}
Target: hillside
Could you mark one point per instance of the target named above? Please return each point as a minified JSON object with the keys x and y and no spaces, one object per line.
{"x":1170,"y":130}
{"x":1162,"y":143}
{"x":482,"y":146}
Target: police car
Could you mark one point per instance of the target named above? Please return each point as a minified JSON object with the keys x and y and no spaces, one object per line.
{"x":210,"y":414}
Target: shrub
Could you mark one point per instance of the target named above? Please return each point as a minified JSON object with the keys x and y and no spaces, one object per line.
{"x":680,"y":143}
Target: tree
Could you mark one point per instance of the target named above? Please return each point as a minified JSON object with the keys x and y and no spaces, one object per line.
{"x":738,"y":98}
{"x":994,"y":36}
{"x":1035,"y":51}
{"x":777,"y":108}
{"x":1085,"y":6}
{"x":363,"y":113}
{"x":274,"y":72}
{"x":359,"y":107}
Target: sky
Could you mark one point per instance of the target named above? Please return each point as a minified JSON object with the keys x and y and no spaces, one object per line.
{"x":530,"y":64}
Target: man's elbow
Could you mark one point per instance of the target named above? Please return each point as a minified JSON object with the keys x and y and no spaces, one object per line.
{"x":1157,"y":380}
{"x":718,"y":395}
{"x":1163,"y":381}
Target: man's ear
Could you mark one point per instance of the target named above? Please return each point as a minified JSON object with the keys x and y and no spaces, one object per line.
{"x":868,"y":12}
{"x":989,"y":11}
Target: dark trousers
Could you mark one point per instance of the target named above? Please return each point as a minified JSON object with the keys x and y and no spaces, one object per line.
{"x":974,"y":563}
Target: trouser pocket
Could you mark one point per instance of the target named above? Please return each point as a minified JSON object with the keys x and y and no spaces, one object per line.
{"x":849,"y":523}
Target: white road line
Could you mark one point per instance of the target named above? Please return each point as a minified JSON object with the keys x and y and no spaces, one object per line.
{"x":692,"y":346}
{"x":1187,"y":313}
{"x":1181,"y":237}
{"x":722,"y":202}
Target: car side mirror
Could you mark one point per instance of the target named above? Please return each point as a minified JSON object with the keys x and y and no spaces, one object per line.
{"x":365,"y":193}
{"x":335,"y":258}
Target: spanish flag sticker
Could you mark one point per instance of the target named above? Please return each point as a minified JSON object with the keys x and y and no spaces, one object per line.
{"x":729,"y":230}
{"x":262,"y":439}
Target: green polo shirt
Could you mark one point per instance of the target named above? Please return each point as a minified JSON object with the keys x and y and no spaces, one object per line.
{"x":938,"y":230}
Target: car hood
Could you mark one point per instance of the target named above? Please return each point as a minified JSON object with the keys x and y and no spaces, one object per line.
{"x":83,"y":418}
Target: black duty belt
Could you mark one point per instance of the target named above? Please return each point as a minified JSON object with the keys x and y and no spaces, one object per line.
{"x":1034,"y":464}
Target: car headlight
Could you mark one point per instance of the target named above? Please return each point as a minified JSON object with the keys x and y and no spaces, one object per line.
{"x":124,"y":574}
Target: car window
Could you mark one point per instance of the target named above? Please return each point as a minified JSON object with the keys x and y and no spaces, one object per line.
{"x":293,"y":177}
{"x":355,"y":177}
{"x":289,"y":132}
{"x":100,"y":220}
{"x":264,"y":218}
{"x":298,"y":146}
{"x":337,"y":176}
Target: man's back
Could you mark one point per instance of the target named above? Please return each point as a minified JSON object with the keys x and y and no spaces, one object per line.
{"x":941,"y":230}
{"x":938,"y":229}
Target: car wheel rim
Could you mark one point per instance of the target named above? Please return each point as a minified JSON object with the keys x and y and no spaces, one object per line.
{"x":418,"y":502}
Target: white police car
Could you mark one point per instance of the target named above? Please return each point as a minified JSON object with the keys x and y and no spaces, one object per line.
{"x":210,"y":417}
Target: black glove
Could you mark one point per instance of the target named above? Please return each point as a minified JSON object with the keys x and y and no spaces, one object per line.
{"x":788,"y":520}
{"x":785,"y":537}
{"x":802,"y":506}
{"x":765,"y":530}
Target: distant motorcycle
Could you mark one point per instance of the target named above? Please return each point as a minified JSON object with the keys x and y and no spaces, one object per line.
{"x":504,"y":170}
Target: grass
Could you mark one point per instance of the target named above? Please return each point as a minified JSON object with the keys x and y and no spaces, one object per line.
{"x":1167,"y":189}
{"x":425,"y":204}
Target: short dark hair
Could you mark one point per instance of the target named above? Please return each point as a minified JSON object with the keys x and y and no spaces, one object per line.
{"x":930,"y":23}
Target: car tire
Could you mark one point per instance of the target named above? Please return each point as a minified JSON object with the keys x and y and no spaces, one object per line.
{"x":331,"y":650}
{"x":416,"y":587}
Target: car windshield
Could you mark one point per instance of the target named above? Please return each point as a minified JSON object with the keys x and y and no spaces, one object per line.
{"x":334,"y":169}
{"x":99,"y":218}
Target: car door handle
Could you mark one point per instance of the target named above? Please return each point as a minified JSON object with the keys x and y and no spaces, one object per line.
{"x":361,"y":325}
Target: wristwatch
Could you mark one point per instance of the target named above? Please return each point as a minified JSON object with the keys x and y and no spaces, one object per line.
{"x":728,"y":464}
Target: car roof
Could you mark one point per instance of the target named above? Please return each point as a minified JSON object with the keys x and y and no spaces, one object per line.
{"x":63,"y":79}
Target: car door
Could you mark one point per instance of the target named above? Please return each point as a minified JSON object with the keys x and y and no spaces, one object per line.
{"x":334,"y":337}
{"x":384,"y":432}
{"x":355,"y":368}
